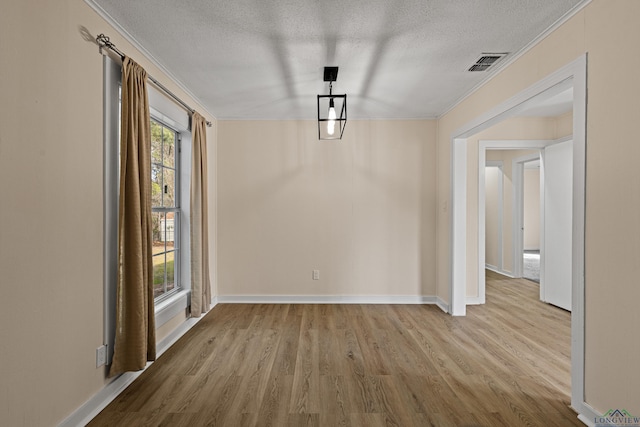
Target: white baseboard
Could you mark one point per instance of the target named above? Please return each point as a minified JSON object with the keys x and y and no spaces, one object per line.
{"x":175,"y":335}
{"x":92,"y":407}
{"x":335,"y":299}
{"x":326,"y":299}
{"x":491,"y":267}
{"x":587,"y":414}
{"x":586,"y":421}
{"x":442,"y":305}
{"x":499,"y":271}
{"x":475,"y":300}
{"x":100,"y":400}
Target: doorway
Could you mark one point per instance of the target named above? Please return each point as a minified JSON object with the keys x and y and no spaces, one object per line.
{"x":511,"y":154}
{"x":520,"y":186}
{"x":528,"y":184}
{"x":572,"y":75}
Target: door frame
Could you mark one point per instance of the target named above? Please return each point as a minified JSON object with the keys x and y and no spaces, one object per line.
{"x":517,"y":169}
{"x":483,"y":146}
{"x":482,"y":199}
{"x":573,"y":75}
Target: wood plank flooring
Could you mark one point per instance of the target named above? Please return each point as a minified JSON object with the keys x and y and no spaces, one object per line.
{"x":506,"y":363}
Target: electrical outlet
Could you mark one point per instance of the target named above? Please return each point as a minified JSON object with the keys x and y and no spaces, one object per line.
{"x":101,"y":356}
{"x":316,"y":274}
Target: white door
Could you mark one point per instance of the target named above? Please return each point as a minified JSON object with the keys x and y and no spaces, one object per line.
{"x":557,"y":163}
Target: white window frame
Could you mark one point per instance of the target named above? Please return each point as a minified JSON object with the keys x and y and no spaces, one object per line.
{"x":168,"y":112}
{"x":177,"y":232}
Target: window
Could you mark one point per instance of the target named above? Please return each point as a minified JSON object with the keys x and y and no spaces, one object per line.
{"x":171,"y":169}
{"x":165,"y":202}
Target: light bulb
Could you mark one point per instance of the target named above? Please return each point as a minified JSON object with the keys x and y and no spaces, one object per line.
{"x":331,"y":124}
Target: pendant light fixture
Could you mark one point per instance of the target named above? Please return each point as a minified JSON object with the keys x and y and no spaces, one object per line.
{"x":330,"y":124}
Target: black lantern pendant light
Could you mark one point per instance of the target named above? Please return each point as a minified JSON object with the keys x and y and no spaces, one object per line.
{"x":330,"y":125}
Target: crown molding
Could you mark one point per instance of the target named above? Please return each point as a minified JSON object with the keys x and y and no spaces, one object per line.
{"x":513,"y":58}
{"x":128,"y":37}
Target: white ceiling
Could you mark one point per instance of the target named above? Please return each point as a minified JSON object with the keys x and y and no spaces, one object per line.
{"x":551,"y":107}
{"x":259,"y":59}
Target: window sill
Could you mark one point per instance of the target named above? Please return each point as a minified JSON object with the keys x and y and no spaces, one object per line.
{"x":169,"y":308}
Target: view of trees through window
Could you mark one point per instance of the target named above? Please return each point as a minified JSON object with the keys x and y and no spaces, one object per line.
{"x":165,"y":208}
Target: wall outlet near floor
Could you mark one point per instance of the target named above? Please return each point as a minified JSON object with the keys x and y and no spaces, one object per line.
{"x":316,"y":275}
{"x":101,"y":356}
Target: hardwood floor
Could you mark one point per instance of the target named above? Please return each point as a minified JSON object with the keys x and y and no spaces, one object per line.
{"x":506,"y":363}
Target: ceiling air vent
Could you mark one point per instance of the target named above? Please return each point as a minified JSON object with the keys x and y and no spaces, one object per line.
{"x":486,"y":60}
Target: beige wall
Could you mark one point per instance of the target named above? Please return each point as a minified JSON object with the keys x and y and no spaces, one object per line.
{"x":360,"y":210}
{"x":564,"y":124}
{"x":608,"y":31}
{"x":51,"y":207}
{"x":493,"y":206}
{"x":368,"y":198}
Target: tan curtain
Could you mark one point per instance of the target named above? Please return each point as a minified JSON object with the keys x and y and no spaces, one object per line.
{"x":200,"y":284}
{"x":135,"y":341}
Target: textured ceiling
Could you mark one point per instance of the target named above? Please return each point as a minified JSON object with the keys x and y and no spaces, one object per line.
{"x":259,"y":59}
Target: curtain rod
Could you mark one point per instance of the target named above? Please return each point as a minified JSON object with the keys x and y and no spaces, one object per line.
{"x":104,"y":42}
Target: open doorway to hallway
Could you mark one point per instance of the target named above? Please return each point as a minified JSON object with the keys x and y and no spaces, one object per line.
{"x":524,"y":202}
{"x":462,"y":281}
{"x":524,"y":178}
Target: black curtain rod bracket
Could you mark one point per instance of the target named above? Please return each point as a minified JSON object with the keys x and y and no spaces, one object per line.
{"x":104,"y":43}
